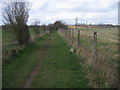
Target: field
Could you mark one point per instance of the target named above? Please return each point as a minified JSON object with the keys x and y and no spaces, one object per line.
{"x":105,"y":34}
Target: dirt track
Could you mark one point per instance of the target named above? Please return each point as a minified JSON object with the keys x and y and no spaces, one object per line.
{"x":40,"y":57}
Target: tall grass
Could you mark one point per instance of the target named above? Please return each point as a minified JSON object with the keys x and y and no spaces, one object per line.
{"x":104,"y":73}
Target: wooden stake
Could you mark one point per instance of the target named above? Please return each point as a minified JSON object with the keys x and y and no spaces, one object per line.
{"x":94,"y":47}
{"x":78,"y":38}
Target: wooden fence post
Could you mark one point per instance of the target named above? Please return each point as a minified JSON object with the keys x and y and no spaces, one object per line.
{"x":94,"y":47}
{"x":78,"y":38}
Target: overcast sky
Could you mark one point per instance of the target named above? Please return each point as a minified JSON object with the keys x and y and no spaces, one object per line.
{"x":92,"y":11}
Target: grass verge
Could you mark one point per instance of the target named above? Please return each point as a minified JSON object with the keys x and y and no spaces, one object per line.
{"x":16,"y":71}
{"x":61,"y":68}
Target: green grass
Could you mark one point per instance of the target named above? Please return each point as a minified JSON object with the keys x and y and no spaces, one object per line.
{"x":10,"y":43}
{"x":59,"y":68}
{"x":8,"y":38}
{"x":18,"y":68}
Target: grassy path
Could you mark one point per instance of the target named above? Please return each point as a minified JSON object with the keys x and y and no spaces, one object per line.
{"x":47,"y":63}
{"x":41,"y":55}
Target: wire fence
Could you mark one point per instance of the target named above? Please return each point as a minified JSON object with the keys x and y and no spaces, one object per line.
{"x":102,"y":56}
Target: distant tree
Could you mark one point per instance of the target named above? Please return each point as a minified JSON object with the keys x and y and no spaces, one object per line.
{"x":59,"y":24}
{"x":15,"y":14}
{"x":50,"y":27}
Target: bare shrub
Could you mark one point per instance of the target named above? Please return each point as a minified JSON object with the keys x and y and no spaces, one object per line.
{"x":15,"y":14}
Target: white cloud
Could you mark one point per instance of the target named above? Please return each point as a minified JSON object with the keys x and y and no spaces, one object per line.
{"x":92,"y":10}
{"x":36,"y":5}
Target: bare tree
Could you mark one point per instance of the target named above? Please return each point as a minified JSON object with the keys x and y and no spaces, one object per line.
{"x":15,"y":14}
